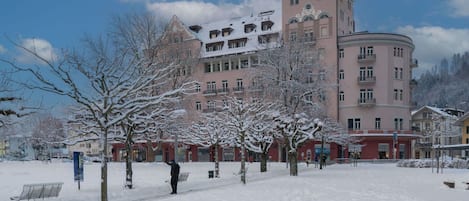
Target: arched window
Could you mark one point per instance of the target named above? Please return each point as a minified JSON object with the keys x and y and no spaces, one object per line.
{"x":308,"y":18}
{"x":293,"y":20}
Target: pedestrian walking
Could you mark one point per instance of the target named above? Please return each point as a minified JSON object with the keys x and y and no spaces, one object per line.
{"x":174,"y":175}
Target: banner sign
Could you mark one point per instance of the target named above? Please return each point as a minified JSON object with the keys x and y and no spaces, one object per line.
{"x":78,"y":166}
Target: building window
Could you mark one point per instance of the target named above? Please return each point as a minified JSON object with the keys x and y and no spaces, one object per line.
{"x":197,"y":87}
{"x":383,"y":150}
{"x":396,"y":73}
{"x":208,"y":68}
{"x":401,"y":94}
{"x":362,"y":73}
{"x":324,"y":32}
{"x":225,"y":103}
{"x":224,"y":85}
{"x":341,"y":96}
{"x":309,"y":35}
{"x":198,"y":106}
{"x":294,"y":2}
{"x":341,"y":74}
{"x":369,"y":71}
{"x":467,"y":129}
{"x":378,"y":123}
{"x":398,"y":123}
{"x":211,"y":86}
{"x":354,"y":124}
{"x":396,"y":94}
{"x":401,"y":73}
{"x":341,"y":53}
{"x":369,"y":50}
{"x":293,"y":36}
{"x":239,"y":83}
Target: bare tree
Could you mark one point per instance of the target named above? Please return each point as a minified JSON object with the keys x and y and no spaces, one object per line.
{"x":209,"y":132}
{"x":47,"y":134}
{"x":104,"y":80}
{"x":296,"y":78}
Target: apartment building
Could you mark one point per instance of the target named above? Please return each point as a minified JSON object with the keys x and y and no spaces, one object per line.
{"x":371,"y":73}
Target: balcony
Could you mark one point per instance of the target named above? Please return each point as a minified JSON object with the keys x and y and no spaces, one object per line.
{"x":365,"y":102}
{"x":414,"y":63}
{"x":223,"y":91}
{"x":362,"y":58}
{"x":413,"y":83}
{"x":366,"y":80}
{"x":211,"y":92}
{"x":238,"y":89}
{"x":255,"y":88}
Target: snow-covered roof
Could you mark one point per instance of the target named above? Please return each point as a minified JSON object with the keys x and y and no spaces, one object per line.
{"x":438,"y":111}
{"x":236,"y":28}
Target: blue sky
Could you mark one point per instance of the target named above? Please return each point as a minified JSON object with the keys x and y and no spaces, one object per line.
{"x":57,"y":24}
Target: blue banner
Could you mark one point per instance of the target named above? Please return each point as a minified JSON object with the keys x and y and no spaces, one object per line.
{"x":78,"y":166}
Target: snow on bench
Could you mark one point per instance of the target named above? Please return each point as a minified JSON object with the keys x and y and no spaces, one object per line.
{"x":38,"y":191}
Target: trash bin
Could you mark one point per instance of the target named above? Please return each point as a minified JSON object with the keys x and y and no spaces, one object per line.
{"x":210,"y":174}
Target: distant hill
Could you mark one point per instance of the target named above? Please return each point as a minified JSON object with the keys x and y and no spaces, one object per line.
{"x":446,"y":85}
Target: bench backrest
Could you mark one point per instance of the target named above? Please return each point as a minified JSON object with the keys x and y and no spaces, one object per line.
{"x":45,"y":190}
{"x":183,"y":176}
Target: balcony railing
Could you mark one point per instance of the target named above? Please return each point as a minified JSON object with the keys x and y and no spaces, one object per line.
{"x":414,"y":63}
{"x":367,"y":102}
{"x":366,"y":58}
{"x":223,"y":91}
{"x":238,"y":89}
{"x":211,"y":92}
{"x":366,"y":80}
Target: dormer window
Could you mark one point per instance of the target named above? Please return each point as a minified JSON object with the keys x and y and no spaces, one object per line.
{"x":214,"y":33}
{"x":195,"y":28}
{"x":267,"y":25}
{"x":226,"y":31}
{"x":248,"y":28}
{"x":210,"y":47}
{"x":237,"y":43}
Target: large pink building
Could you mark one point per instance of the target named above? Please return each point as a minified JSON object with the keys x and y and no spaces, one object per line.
{"x":371,"y":72}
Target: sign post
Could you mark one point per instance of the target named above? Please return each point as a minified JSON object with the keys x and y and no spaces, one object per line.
{"x":78,"y":167}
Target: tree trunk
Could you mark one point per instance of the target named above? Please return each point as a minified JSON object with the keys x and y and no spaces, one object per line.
{"x":217,"y":162}
{"x":150,"y":152}
{"x":292,"y":156}
{"x":128,"y":162}
{"x":104,"y":167}
{"x":243,"y":164}
{"x":264,"y":158}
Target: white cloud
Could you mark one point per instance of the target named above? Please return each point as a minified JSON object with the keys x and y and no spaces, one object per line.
{"x":459,"y":7}
{"x":433,"y":43}
{"x":199,"y":12}
{"x":41,"y":47}
{"x":2,"y":49}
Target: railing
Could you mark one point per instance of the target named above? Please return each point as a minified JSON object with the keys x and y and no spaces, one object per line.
{"x":366,"y":80}
{"x":210,"y":92}
{"x":366,"y":57}
{"x":223,"y":91}
{"x":238,"y":89}
{"x":366,"y":102}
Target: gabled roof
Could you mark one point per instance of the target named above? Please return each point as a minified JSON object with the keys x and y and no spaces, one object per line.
{"x":438,"y":111}
{"x":461,"y":120}
{"x":176,"y":25}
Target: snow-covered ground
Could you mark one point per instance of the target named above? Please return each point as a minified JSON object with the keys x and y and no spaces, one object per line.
{"x":367,"y":182}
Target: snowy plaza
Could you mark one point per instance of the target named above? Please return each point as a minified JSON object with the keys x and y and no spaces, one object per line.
{"x":338,"y":182}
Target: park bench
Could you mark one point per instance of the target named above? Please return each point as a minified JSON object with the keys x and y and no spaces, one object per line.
{"x":39,"y":191}
{"x":450,"y":184}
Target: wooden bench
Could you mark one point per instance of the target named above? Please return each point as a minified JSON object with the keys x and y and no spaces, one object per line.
{"x":450,"y":184}
{"x":183,"y":176}
{"x":39,"y":191}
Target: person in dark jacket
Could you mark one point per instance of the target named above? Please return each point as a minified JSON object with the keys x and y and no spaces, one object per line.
{"x":174,"y":175}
